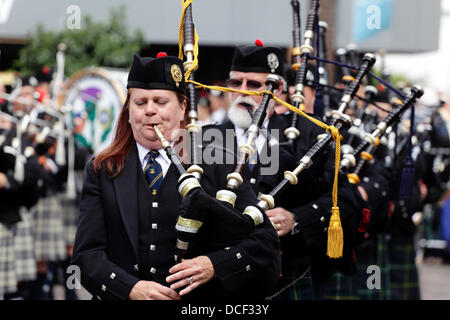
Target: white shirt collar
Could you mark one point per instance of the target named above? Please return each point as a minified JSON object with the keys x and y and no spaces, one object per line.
{"x":241,"y":137}
{"x":240,"y":132}
{"x":162,"y":158}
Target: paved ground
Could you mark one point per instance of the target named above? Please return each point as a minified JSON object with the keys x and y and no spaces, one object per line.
{"x":434,"y":280}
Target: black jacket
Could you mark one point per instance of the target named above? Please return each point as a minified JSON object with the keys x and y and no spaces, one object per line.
{"x":18,"y":194}
{"x":309,"y":201}
{"x":106,"y":244}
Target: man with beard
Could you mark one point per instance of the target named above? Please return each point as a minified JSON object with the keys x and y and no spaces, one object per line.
{"x":302,"y":213}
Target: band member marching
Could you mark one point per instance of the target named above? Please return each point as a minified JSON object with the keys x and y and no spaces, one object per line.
{"x":126,"y":238}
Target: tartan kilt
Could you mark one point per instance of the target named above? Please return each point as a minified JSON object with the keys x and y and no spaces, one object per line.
{"x":25,"y":264}
{"x":403,"y":270}
{"x":373,"y":252}
{"x":50,"y":243}
{"x":8,"y":280}
{"x":342,"y":287}
{"x":338,"y":287}
{"x":302,"y":289}
{"x":70,"y":219}
{"x":296,"y":289}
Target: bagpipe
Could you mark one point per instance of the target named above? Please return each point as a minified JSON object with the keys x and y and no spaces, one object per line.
{"x":190,"y":65}
{"x":341,"y":54}
{"x":6,"y":131}
{"x":436,"y":143}
{"x":25,"y":138}
{"x":16,"y":143}
{"x":234,"y":179}
{"x":340,"y":122}
{"x":44,"y":125}
{"x":300,"y":59}
{"x":361,"y":115}
{"x":367,"y":118}
{"x":371,"y":140}
{"x":233,"y":224}
{"x":322,"y":69}
{"x":225,"y":225}
{"x":227,"y":196}
{"x":34,"y":136}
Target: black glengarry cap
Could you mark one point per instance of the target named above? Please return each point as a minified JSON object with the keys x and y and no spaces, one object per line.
{"x":163,"y":72}
{"x":258,"y":59}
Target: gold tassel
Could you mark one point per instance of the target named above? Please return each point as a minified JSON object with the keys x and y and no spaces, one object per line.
{"x":335,"y":245}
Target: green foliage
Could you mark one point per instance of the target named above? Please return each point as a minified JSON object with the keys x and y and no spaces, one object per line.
{"x":95,"y":44}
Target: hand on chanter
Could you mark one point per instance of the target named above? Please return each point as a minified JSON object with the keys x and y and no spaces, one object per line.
{"x":282,"y":220}
{"x":150,"y":290}
{"x":191,"y":273}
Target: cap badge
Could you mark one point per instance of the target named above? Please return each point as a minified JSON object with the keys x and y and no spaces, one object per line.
{"x":273,"y":62}
{"x":176,"y":74}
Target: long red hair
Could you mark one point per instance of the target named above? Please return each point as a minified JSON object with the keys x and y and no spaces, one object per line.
{"x":114,"y":156}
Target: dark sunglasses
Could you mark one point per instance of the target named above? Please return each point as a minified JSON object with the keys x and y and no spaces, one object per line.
{"x":251,"y":84}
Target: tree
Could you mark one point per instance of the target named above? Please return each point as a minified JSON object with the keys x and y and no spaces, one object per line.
{"x":94,"y":44}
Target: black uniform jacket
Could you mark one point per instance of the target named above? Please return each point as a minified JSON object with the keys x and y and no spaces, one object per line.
{"x":106,"y":245}
{"x":310,"y":201}
{"x":375,"y":177}
{"x":17,"y":194}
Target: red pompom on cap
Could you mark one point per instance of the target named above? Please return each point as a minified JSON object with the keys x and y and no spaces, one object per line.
{"x":161,"y":55}
{"x":259,"y":43}
{"x":42,"y":94}
{"x":46,"y":70}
